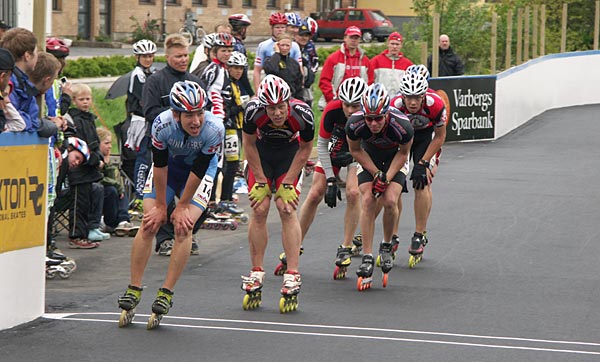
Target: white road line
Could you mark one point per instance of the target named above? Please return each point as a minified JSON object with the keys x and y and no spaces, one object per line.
{"x":68,"y":316}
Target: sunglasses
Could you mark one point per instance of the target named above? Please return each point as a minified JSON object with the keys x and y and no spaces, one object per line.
{"x":374,"y":118}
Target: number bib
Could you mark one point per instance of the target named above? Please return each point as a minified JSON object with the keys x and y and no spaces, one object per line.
{"x":232,"y":149}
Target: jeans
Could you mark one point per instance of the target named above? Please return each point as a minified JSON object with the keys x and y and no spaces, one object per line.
{"x":96,"y":204}
{"x":115,"y":208}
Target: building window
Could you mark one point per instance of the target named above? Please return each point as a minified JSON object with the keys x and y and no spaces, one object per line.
{"x":56,"y":5}
{"x":223,"y":3}
{"x":296,"y":4}
{"x":272,"y":4}
{"x":172,"y":2}
{"x":146,"y":2}
{"x":247,"y":3}
{"x":197,"y":3}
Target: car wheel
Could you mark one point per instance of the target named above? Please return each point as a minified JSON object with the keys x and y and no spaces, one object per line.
{"x":367,"y":37}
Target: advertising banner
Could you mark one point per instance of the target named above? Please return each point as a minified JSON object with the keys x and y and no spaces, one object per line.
{"x":470,"y":105}
{"x":23,"y":174}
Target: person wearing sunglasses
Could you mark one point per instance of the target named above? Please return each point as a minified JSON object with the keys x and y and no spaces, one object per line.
{"x":379,"y":139}
{"x":427,"y":114}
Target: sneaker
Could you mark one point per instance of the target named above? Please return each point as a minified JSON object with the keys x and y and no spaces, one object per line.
{"x":195,"y":241}
{"x":107,"y":229}
{"x":166,"y":247}
{"x":97,"y":235}
{"x":82,"y":244}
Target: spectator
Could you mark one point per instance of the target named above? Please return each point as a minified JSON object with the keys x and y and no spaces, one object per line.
{"x":58,"y":97}
{"x":449,"y":62}
{"x":7,"y":64}
{"x":310,"y":59}
{"x":223,"y":28}
{"x":84,"y":181}
{"x":239,"y":26}
{"x":282,"y":65}
{"x":389,"y":66}
{"x":348,"y":62}
{"x":3,"y":28}
{"x":203,"y":60}
{"x":116,"y":202}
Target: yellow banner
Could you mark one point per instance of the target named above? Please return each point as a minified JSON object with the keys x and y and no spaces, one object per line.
{"x":23,"y":188}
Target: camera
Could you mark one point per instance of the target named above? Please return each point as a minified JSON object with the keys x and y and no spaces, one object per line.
{"x":63,"y":80}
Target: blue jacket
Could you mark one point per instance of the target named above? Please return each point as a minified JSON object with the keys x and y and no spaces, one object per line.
{"x":23,"y":99}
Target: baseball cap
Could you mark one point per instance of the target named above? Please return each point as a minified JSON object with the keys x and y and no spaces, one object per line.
{"x":7,"y":61}
{"x":304,"y":30}
{"x":352,"y":31}
{"x":395,"y":36}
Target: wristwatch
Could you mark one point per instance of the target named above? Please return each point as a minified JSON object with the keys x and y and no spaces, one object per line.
{"x":425,"y":163}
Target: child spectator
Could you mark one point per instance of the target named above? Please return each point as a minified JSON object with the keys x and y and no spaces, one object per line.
{"x":116,"y":202}
{"x":86,"y":189}
{"x":58,"y":97}
{"x":284,"y":66}
{"x":7,"y":64}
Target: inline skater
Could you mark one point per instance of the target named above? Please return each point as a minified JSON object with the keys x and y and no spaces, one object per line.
{"x":427,"y":114}
{"x":239,"y":27}
{"x":386,"y":136}
{"x":185,"y":140}
{"x":277,"y":137}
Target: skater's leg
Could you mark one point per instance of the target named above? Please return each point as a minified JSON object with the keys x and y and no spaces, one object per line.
{"x":352,"y":215}
{"x":390,"y":213}
{"x":258,"y":235}
{"x":291,"y":235}
{"x":367,"y":217}
{"x":142,"y":248}
{"x":310,"y":205}
{"x":422,"y":208}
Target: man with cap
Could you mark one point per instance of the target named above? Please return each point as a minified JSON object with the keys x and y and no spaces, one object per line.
{"x":389,"y":65}
{"x":348,"y":62}
{"x":7,"y":64}
{"x":310,"y":60}
{"x":3,"y":28}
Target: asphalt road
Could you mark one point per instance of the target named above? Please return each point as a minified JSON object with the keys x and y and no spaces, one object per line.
{"x":510,"y":274}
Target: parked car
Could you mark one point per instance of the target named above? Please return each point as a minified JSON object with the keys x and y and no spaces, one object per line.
{"x":372,"y":22}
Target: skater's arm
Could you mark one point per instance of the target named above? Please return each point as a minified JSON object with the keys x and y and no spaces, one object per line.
{"x":399,"y":160}
{"x":253,"y":158}
{"x":298,"y":162}
{"x":439,"y":136}
{"x":361,"y":156}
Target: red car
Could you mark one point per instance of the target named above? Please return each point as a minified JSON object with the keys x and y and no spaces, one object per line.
{"x":372,"y":22}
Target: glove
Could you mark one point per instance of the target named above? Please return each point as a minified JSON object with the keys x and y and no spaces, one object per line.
{"x":259,"y":191}
{"x":332,"y":192}
{"x":287,"y":193}
{"x":135,"y":133}
{"x":380,"y":184}
{"x":419,"y":176}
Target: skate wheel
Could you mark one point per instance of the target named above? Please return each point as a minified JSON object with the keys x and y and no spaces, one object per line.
{"x":339,"y":273}
{"x":246,"y":302}
{"x":64,"y":275}
{"x":50,"y":274}
{"x":359,"y":284}
{"x":413,"y":261}
{"x":244,"y":219}
{"x":217,"y":227}
{"x":154,"y":321}
{"x":385,"y":279}
{"x":233,"y":226}
{"x":378,"y":261}
{"x":126,"y":317}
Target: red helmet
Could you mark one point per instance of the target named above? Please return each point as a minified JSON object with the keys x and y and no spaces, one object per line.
{"x":278,"y":19}
{"x":312,"y":25}
{"x":57,"y":47}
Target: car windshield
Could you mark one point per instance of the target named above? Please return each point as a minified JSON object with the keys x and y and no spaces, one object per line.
{"x":377,"y":15}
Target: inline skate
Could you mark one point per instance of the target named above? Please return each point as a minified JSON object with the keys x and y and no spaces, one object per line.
{"x":395,"y":245}
{"x":252,"y":285}
{"x":357,"y":244}
{"x":342,"y":262}
{"x":160,"y":307}
{"x":282,"y":267}
{"x":66,"y":262}
{"x":289,"y":292}
{"x":417,"y":246}
{"x":62,"y":268}
{"x":218,"y":220}
{"x":365,"y":273}
{"x":309,"y":167}
{"x":136,"y":210}
{"x":127,"y":302}
{"x":236,"y":213}
{"x":385,"y":260}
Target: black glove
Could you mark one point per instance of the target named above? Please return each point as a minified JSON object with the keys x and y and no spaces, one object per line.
{"x":380,"y":184}
{"x":332,"y":192}
{"x":419,"y":176}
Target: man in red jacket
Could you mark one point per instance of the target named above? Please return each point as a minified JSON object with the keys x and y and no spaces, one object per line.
{"x":348,"y":62}
{"x":389,"y":66}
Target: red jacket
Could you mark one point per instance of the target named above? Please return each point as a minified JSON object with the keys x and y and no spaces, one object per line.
{"x":339,"y":66}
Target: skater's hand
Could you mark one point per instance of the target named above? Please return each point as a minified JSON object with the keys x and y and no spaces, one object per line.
{"x":257,"y":194}
{"x":333,"y":192}
{"x":287,"y":194}
{"x":182,"y":220}
{"x":420,"y":177}
{"x":154,"y":218}
{"x":380,"y":184}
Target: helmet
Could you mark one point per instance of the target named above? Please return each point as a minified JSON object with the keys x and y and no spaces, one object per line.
{"x":293,"y":19}
{"x":223,"y":40}
{"x":209,"y":40}
{"x":144,"y":46}
{"x":187,"y":96}
{"x":312,"y":25}
{"x":376,"y":100}
{"x":239,"y":20}
{"x":413,"y":84}
{"x":277,"y":19}
{"x":57,"y":47}
{"x":352,"y":89}
{"x":273,"y":90}
{"x":420,"y":68}
{"x":79,"y":145}
{"x":237,"y":59}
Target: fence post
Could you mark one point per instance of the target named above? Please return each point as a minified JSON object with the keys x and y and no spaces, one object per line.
{"x":596,"y":25}
{"x":435,"y":53}
{"x":543,"y":31}
{"x":563,"y":31}
{"x":526,"y":35}
{"x":519,"y":36}
{"x":534,"y":35}
{"x":509,"y":25}
{"x":424,"y":52}
{"x":493,"y":43}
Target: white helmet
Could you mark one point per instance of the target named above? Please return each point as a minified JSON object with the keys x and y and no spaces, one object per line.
{"x":144,"y":46}
{"x":312,"y":25}
{"x":351,"y":90}
{"x":413,"y":84}
{"x":187,"y":96}
{"x":273,"y":90}
{"x":418,"y":68}
{"x":237,"y":59}
{"x":209,"y":40}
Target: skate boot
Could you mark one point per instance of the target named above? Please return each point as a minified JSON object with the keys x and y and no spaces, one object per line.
{"x":395,"y":245}
{"x":417,"y":246}
{"x":309,"y":167}
{"x":365,"y":273}
{"x":128,"y":302}
{"x":385,"y":260}
{"x":282,"y":267}
{"x":342,"y":262}
{"x":136,"y":209}
{"x":160,"y":307}
{"x":357,"y":247}
{"x":236,"y":212}
{"x":252,"y":285}
{"x":54,"y":267}
{"x":289,"y":292}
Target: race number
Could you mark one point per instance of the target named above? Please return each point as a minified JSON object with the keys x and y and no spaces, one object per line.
{"x":202,"y":194}
{"x":232,"y":149}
